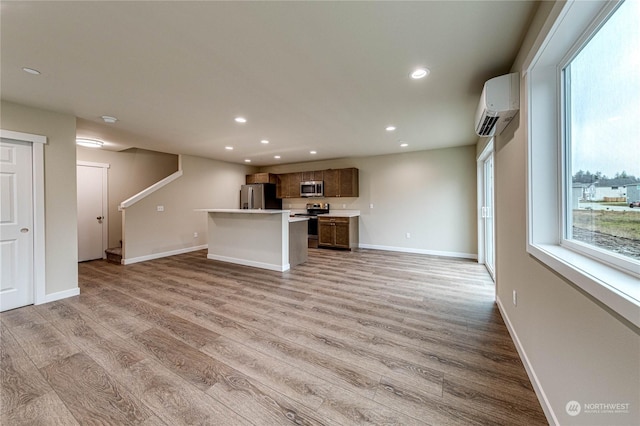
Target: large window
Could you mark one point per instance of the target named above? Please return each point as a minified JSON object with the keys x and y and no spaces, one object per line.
{"x":601,"y":85}
{"x":583,"y":138}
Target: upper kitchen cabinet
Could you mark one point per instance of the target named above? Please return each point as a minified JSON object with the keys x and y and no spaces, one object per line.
{"x":282,"y":187}
{"x":341,"y":182}
{"x":261,"y":178}
{"x":312,"y":176}
{"x":288,"y":185}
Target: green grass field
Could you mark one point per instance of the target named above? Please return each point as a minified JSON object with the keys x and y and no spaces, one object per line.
{"x":616,"y":223}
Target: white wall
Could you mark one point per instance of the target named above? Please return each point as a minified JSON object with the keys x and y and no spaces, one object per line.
{"x":576,"y":348}
{"x":429,"y":194}
{"x":204,"y":184}
{"x":61,"y":243}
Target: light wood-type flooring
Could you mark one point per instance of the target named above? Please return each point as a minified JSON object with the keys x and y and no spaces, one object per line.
{"x":348,"y":338}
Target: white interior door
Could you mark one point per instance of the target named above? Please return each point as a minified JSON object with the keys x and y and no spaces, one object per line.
{"x":16,"y":225}
{"x":92,"y":211}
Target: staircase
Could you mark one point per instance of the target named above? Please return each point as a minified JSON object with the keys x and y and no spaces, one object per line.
{"x":114,"y":255}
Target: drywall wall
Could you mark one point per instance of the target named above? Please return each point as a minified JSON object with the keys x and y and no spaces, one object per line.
{"x":429,"y":194}
{"x":577,"y":349}
{"x":129,"y":172}
{"x":207,"y":184}
{"x":61,"y":242}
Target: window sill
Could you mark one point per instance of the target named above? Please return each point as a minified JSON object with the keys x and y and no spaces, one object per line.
{"x":593,"y":277}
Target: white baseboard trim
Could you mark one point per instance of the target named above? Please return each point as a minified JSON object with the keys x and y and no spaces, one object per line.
{"x":245,"y":262}
{"x":163,"y":254}
{"x":59,"y":295}
{"x":537,"y":387}
{"x":421,"y":251}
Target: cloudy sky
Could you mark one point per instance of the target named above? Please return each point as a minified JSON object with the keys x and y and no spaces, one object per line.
{"x":605,"y":90}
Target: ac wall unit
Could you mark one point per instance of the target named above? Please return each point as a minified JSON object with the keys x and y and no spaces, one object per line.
{"x":499,"y":103}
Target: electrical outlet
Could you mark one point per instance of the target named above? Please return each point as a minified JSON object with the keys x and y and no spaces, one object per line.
{"x":344,"y":206}
{"x":160,"y":208}
{"x":195,"y":235}
{"x":408,"y":235}
{"x":515,"y":298}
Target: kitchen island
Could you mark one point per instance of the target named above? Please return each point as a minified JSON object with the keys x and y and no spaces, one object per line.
{"x":267,"y":239}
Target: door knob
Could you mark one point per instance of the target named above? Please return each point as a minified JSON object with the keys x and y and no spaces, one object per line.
{"x":100,"y":217}
{"x":24,"y":230}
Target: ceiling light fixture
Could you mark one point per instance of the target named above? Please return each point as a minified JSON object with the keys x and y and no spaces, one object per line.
{"x":390,"y":128}
{"x":420,"y":73}
{"x":313,"y":152}
{"x":240,"y":120}
{"x":247,"y":160}
{"x":228,"y":148}
{"x":89,"y":143}
{"x":404,"y":145}
{"x":109,"y":119}
{"x":277,"y":157}
{"x":31,"y":71}
{"x":264,"y":141}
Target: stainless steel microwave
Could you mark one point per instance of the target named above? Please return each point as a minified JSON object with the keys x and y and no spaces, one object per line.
{"x":314,"y":188}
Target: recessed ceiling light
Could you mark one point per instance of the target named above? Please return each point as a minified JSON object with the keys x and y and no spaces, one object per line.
{"x":420,"y":73}
{"x":31,"y":71}
{"x":313,"y":152}
{"x":109,"y":119}
{"x":228,"y":148}
{"x":240,"y":120}
{"x":247,"y":161}
{"x":264,"y":141}
{"x":390,"y":128}
{"x":404,"y":145}
{"x":277,"y":157}
{"x":89,"y":143}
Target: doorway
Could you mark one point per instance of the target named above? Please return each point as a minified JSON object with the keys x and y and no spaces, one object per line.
{"x":92,"y":210}
{"x":486,"y":221}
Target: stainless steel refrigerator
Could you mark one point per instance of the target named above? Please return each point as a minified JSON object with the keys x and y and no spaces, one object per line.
{"x":259,"y":196}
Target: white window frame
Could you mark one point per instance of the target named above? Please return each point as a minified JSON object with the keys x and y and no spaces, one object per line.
{"x":568,"y":26}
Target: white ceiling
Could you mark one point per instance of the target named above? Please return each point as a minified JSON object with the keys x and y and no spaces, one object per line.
{"x":324,"y":76}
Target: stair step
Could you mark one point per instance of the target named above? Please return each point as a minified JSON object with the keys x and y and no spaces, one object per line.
{"x":114,"y":255}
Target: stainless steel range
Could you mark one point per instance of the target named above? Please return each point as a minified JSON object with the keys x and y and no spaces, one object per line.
{"x":313,"y":210}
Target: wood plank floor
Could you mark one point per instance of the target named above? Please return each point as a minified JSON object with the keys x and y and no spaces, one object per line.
{"x":348,"y":338}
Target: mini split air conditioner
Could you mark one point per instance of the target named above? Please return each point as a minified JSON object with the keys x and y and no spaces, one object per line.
{"x":499,"y":103}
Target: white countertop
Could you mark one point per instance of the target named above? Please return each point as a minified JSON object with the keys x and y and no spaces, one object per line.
{"x":342,"y":213}
{"x":298,"y":219}
{"x":244,"y":211}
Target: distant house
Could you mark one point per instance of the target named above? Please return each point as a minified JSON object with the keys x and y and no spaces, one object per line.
{"x":609,"y":191}
{"x":633,"y":192}
{"x":578,"y":194}
{"x":618,"y":189}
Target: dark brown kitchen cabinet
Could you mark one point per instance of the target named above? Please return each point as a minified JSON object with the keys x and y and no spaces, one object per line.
{"x":282,"y":187}
{"x":338,"y":232}
{"x":316,"y":175}
{"x":294,"y":185}
{"x":341,"y":182}
{"x":288,"y":185}
{"x":262,"y":178}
